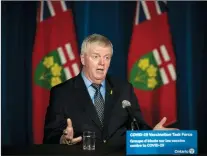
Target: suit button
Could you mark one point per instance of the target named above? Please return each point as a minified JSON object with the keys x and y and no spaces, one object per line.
{"x":104,"y":141}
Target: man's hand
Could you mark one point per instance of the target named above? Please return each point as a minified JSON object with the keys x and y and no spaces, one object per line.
{"x":160,"y":126}
{"x":68,"y":133}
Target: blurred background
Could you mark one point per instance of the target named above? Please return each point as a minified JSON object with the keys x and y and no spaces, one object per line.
{"x":114,"y":19}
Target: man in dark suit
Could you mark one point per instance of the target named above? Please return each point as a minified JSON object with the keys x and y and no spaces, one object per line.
{"x":92,"y":101}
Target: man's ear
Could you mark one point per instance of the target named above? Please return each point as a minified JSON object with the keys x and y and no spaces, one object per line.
{"x":82,"y":59}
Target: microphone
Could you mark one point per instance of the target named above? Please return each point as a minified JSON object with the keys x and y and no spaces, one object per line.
{"x":127,"y":105}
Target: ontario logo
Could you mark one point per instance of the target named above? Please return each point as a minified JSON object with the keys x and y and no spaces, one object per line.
{"x":191,"y":151}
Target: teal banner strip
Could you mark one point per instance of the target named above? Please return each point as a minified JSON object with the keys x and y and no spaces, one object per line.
{"x":161,"y":142}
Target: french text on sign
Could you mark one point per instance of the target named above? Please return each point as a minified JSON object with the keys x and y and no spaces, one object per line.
{"x":161,"y":142}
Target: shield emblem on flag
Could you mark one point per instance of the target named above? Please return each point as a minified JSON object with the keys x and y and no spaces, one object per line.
{"x":54,"y":69}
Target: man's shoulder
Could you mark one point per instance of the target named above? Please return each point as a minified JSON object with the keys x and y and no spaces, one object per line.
{"x":66,"y":84}
{"x":117,"y":81}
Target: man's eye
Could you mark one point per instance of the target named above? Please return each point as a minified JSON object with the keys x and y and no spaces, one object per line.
{"x":95,"y":57}
{"x":107,"y":58}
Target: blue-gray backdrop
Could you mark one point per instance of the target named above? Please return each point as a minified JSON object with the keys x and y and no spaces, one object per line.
{"x":114,"y":19}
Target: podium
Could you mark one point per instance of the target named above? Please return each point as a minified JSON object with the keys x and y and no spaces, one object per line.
{"x":55,"y":149}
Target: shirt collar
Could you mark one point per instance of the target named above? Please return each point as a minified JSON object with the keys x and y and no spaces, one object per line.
{"x":88,"y":82}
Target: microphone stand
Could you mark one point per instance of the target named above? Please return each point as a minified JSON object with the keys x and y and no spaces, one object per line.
{"x":134,"y":125}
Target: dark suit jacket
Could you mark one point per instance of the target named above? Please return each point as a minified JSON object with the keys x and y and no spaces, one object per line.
{"x":71,"y":100}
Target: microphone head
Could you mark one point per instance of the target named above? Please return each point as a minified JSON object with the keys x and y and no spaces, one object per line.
{"x":125,"y":104}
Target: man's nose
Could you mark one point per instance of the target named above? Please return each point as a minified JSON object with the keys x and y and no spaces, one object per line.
{"x":102,"y":61}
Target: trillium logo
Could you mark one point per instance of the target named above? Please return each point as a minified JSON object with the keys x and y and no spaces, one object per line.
{"x":191,"y":151}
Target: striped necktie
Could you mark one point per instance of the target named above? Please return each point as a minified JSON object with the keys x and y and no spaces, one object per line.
{"x":98,"y":102}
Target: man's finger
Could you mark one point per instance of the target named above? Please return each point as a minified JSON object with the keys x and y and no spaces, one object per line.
{"x":70,"y":132}
{"x":76,"y":140}
{"x":69,"y":122}
{"x":162,"y":122}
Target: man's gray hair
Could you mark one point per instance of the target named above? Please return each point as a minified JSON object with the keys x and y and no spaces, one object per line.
{"x":98,"y":39}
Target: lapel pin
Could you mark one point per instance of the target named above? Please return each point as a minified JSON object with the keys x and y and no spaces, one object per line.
{"x":111,"y":92}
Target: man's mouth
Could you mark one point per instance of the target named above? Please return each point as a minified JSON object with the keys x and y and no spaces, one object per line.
{"x":100,"y":70}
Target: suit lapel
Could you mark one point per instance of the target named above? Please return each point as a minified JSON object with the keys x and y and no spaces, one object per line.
{"x":111,"y":97}
{"x":86,"y":101}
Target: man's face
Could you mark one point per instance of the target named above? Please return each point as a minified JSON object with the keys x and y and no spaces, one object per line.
{"x":96,"y":62}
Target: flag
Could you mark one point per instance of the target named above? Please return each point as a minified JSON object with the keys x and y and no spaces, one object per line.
{"x":152,"y":64}
{"x":55,"y":57}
